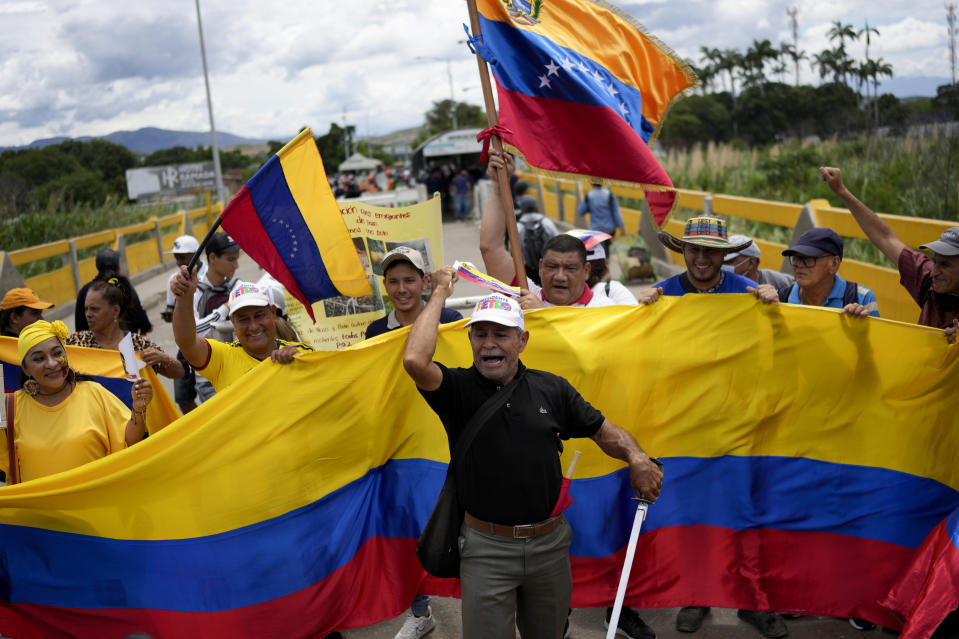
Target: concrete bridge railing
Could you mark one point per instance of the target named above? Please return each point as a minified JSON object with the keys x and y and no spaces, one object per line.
{"x":141,"y":247}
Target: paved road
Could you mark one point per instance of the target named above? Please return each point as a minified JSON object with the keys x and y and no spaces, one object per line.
{"x":462,"y":242}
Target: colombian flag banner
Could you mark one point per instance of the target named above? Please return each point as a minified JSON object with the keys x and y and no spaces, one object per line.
{"x":807,"y":455}
{"x":106,"y":368}
{"x":287,"y":220}
{"x":582,"y":89}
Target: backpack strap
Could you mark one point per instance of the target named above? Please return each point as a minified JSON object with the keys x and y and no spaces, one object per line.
{"x":13,"y":475}
{"x":784,"y":293}
{"x":851,"y":294}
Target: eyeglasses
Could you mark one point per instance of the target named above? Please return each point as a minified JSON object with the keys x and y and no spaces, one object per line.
{"x":808,"y":262}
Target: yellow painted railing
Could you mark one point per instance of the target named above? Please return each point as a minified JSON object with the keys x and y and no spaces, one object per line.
{"x":61,"y":284}
{"x":894,"y":301}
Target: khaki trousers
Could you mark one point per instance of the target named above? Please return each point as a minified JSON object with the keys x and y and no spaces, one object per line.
{"x":515,"y":583}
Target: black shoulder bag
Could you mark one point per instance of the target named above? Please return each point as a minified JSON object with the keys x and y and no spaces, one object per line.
{"x":438,"y":545}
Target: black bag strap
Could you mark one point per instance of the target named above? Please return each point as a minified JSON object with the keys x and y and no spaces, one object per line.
{"x":851,"y":294}
{"x":480,"y":417}
{"x":784,"y":293}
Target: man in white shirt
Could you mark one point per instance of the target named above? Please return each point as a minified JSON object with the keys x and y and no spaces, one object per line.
{"x":563,"y":269}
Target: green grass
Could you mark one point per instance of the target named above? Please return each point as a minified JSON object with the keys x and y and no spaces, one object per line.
{"x":42,"y":227}
{"x":908,"y":176}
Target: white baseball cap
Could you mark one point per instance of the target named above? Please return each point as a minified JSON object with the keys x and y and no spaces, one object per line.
{"x":184,"y":244}
{"x":498,"y":309}
{"x":596,"y":253}
{"x":405,"y":254}
{"x":246,"y":294}
{"x":749,"y":251}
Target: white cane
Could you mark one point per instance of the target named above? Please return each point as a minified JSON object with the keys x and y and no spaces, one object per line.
{"x":638,"y":519}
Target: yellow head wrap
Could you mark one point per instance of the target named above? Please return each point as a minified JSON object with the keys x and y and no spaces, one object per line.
{"x":37,"y":332}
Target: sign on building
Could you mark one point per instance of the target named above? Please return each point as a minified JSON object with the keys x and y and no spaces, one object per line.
{"x":173,"y":179}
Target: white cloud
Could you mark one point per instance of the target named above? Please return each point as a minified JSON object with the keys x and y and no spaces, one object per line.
{"x":92,"y":67}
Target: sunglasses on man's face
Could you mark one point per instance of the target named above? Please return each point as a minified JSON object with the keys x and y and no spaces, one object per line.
{"x":807,"y":262}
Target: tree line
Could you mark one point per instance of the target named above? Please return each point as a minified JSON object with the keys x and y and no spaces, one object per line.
{"x":745,"y":95}
{"x":89,"y":172}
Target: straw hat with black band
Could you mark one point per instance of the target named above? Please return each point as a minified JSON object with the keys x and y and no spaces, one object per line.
{"x":709,"y":232}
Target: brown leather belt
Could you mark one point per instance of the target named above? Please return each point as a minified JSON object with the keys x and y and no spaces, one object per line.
{"x":525,"y":531}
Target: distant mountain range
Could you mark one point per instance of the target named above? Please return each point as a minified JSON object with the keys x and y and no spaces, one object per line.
{"x":150,"y":139}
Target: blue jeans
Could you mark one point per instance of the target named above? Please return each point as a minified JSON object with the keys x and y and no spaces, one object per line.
{"x":461,"y":204}
{"x":421,"y":604}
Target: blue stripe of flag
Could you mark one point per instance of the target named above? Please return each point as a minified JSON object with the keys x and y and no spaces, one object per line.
{"x":285,"y":554}
{"x":521,"y":61}
{"x":284,"y":224}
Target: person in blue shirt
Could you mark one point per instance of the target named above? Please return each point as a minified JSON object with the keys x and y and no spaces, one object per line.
{"x":603,"y":209}
{"x":405,"y":280}
{"x":815,"y":260}
{"x":704,"y":245}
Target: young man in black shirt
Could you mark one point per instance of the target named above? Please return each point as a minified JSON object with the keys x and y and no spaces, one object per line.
{"x":514,"y":559}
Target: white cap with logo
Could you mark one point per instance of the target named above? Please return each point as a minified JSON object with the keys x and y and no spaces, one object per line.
{"x":498,"y":309}
{"x":406,"y":254}
{"x":184,"y":244}
{"x":246,"y":294}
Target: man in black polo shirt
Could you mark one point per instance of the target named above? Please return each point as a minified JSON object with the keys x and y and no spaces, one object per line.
{"x":514,"y":557}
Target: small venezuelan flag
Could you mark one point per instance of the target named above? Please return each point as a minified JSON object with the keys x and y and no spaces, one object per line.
{"x":287,"y":220}
{"x":468,"y":271}
{"x":589,"y":238}
{"x":582,"y":89}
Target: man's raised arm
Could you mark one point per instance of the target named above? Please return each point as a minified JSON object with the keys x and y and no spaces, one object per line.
{"x":193,"y":347}
{"x":878,"y":232}
{"x":498,"y":261}
{"x":421,"y":342}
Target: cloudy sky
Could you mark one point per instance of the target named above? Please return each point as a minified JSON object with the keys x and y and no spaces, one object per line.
{"x":91,"y":67}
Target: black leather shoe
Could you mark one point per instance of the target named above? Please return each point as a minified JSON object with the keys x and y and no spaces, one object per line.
{"x":630,"y":624}
{"x":690,"y":618}
{"x":768,"y":623}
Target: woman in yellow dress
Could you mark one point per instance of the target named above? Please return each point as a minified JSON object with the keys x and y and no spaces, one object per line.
{"x":62,"y":419}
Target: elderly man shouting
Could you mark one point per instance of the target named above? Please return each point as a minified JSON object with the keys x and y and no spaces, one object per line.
{"x":514,"y":557}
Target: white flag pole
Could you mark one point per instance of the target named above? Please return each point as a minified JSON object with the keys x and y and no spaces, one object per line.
{"x":641,"y":509}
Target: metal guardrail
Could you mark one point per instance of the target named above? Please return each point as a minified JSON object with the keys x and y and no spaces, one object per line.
{"x":137,"y":259}
{"x":560,"y":199}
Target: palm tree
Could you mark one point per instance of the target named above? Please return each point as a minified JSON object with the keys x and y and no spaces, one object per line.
{"x":842,"y":32}
{"x":879,"y":68}
{"x":712,"y":58}
{"x":868,"y":31}
{"x":795,"y":54}
{"x":827,"y":63}
{"x":730,"y":61}
{"x":754,"y":62}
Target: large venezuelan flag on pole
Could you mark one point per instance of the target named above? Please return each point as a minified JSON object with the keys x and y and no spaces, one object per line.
{"x":807,"y":455}
{"x":582,"y":90}
{"x":287,"y":220}
{"x":106,"y":368}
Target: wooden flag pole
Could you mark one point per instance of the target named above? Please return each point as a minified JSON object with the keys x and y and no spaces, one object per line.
{"x":502,"y":177}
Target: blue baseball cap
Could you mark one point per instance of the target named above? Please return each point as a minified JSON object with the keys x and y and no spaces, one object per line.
{"x":818,"y":241}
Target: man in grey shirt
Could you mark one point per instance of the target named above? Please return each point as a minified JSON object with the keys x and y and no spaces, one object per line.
{"x":746,"y":263}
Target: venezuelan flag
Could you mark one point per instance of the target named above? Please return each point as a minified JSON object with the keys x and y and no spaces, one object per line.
{"x":287,"y":220}
{"x":805,"y":461}
{"x":106,"y":368}
{"x":582,"y":90}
